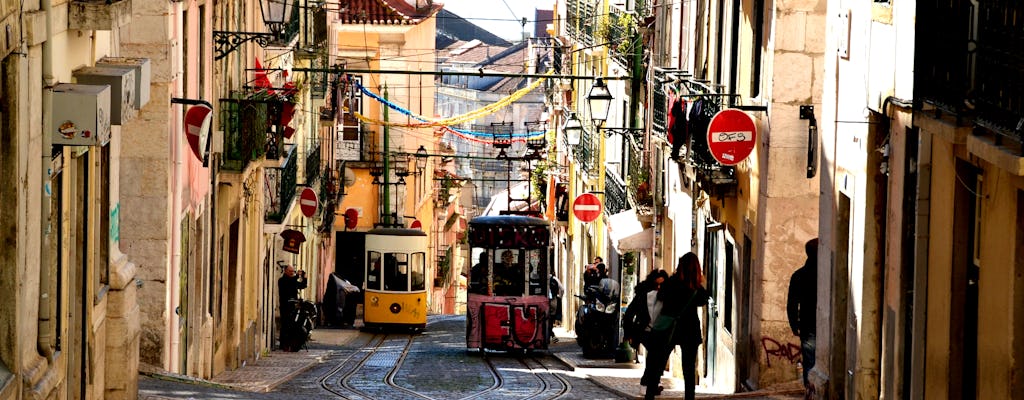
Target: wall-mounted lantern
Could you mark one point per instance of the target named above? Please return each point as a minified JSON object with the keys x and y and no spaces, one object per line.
{"x":276,"y":15}
{"x":600,"y":101}
{"x":573,"y":129}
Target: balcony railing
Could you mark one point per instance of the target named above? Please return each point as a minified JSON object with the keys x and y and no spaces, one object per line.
{"x":328,"y":194}
{"x":313,"y":167}
{"x":623,"y":36}
{"x":280,"y":188}
{"x":581,"y":20}
{"x":659,"y":106}
{"x":614,"y":192}
{"x":639,"y":181}
{"x":251,"y":131}
{"x":999,"y":84}
{"x":584,"y":152}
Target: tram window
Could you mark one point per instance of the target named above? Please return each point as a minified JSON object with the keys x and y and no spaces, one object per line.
{"x":418,"y":267}
{"x":480,"y":271}
{"x":373,"y":270}
{"x":396,"y":271}
{"x":538,"y":272}
{"x":509,"y":276}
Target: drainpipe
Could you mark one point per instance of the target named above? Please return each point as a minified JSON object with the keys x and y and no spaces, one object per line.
{"x":45,"y":338}
{"x":922,"y":219}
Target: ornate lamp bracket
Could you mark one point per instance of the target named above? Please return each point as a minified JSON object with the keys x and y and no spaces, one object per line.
{"x":225,"y":42}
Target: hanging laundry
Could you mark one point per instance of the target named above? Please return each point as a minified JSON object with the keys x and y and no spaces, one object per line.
{"x":677,"y":132}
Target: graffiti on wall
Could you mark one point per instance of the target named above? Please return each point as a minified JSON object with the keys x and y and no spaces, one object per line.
{"x":787,"y":351}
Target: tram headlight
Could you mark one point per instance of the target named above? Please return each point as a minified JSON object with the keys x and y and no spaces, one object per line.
{"x":395,"y":308}
{"x":374,"y":300}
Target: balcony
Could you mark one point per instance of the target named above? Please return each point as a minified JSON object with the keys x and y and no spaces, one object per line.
{"x":639,"y":177}
{"x":581,"y":21}
{"x":983,"y":88}
{"x":330,"y":188}
{"x":614,"y":193}
{"x":584,"y":152}
{"x":280,"y":188}
{"x":252,"y":130}
{"x":313,"y":159}
{"x":99,"y":15}
{"x":622,"y":36}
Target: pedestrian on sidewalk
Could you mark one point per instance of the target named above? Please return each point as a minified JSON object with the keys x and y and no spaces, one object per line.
{"x":643,"y":309}
{"x":288,"y":286}
{"x":678,"y":324}
{"x":555,"y":293}
{"x":801,"y":306}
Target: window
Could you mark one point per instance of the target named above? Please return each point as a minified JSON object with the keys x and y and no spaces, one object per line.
{"x":187,"y":61}
{"x":102,"y":270}
{"x":757,"y":24}
{"x":396,"y":272}
{"x":373,"y":278}
{"x":417,"y":267}
{"x":201,"y":69}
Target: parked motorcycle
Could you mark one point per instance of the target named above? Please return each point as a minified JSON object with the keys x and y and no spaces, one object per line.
{"x":302,"y":323}
{"x":596,"y":324}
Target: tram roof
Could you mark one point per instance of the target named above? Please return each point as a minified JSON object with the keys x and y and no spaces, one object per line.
{"x":508,"y":220}
{"x":396,"y":232}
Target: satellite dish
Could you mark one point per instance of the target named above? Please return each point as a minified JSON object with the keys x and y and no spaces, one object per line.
{"x":350,"y":177}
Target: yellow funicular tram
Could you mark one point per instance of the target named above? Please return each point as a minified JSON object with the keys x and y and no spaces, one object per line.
{"x":395,"y":282}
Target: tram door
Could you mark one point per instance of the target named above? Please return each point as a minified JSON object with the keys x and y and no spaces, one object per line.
{"x":350,"y":258}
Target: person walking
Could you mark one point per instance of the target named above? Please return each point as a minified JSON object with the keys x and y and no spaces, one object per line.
{"x":801,"y":305}
{"x":555,"y":292}
{"x":288,"y":286}
{"x":677,"y":324}
{"x":642,"y":310}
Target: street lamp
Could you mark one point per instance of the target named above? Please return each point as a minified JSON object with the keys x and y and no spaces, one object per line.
{"x":599,"y":100}
{"x":421,"y":158}
{"x":573,"y":129}
{"x":276,"y":15}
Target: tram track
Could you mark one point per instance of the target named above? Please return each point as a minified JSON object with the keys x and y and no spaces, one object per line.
{"x":378,"y":369}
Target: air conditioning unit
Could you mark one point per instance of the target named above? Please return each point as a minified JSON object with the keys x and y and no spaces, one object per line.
{"x":122,"y":89}
{"x":80,"y":114}
{"x":143,"y":76}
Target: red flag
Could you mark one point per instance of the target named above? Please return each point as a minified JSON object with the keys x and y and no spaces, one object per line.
{"x":262,"y":81}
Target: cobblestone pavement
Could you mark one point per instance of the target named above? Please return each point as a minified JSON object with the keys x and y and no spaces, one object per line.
{"x":306,"y":374}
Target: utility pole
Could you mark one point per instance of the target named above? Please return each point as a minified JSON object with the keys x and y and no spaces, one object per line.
{"x":387,"y":173}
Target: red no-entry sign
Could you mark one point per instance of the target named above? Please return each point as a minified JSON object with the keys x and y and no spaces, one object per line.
{"x":308,"y":202}
{"x":731,"y":135}
{"x":587,"y":207}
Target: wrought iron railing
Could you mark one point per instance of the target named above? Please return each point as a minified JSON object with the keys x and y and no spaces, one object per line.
{"x":329,"y":186}
{"x":999,"y":84}
{"x":581,"y":20}
{"x":584,"y":151}
{"x":659,"y":106}
{"x":942,"y":74}
{"x":623,"y":35}
{"x":639,"y":176}
{"x":313,"y":161}
{"x":614,"y":192}
{"x":280,"y":188}
{"x":249,"y":133}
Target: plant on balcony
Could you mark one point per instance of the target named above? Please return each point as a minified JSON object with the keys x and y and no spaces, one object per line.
{"x":643,"y":187}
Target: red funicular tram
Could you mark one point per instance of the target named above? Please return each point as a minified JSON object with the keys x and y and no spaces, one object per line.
{"x":507,"y":303}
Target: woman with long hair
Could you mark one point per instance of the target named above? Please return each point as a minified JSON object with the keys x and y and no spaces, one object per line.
{"x":680,"y":295}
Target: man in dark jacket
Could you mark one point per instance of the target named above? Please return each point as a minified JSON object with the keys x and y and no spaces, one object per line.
{"x":288,"y":286}
{"x":801,"y":306}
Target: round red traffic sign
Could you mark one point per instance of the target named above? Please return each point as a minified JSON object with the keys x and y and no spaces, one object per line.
{"x":351,"y":218}
{"x":308,"y":202}
{"x":731,"y":135}
{"x":587,"y":207}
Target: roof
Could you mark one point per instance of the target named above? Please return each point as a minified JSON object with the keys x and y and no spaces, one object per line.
{"x":452,"y":28}
{"x":388,"y":12}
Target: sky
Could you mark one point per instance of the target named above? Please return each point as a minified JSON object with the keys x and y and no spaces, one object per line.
{"x":501,"y":17}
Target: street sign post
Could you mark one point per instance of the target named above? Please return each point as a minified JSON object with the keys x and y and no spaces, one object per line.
{"x":308,"y":202}
{"x":731,"y":136}
{"x":587,"y":207}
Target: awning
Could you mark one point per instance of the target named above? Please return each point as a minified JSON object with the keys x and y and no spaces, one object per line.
{"x":626,"y":232}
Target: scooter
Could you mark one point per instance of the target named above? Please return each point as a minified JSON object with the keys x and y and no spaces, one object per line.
{"x":596,"y":325}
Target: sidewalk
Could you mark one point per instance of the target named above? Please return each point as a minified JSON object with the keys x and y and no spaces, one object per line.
{"x":269,"y":370}
{"x":624,"y":378}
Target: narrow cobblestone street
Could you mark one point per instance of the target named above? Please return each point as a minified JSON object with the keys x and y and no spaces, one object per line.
{"x":350,"y":364}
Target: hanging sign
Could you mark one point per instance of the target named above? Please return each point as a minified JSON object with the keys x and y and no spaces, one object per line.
{"x":731,"y":136}
{"x":292,"y":240}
